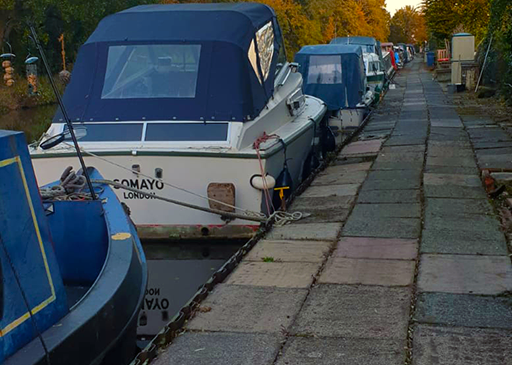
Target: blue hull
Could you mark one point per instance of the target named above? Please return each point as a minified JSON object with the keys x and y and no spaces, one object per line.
{"x":94,"y":263}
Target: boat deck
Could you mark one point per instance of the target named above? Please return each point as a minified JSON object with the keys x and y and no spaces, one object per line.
{"x":402,"y":261}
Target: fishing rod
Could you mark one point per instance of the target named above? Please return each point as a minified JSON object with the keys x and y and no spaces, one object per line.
{"x":63,"y":110}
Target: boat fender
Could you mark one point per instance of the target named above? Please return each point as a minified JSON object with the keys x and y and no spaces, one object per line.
{"x":283,"y":188}
{"x":256,"y":181}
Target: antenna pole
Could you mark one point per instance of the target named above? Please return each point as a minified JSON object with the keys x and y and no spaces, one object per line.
{"x":64,"y":112}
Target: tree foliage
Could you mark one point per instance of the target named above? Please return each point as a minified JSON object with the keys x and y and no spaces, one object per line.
{"x":302,"y":21}
{"x":445,"y":17}
{"x":408,"y":26}
{"x":499,"y":64}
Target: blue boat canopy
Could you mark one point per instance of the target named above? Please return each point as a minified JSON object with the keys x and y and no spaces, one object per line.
{"x":369,"y":44}
{"x":333,"y":73}
{"x":177,"y":62}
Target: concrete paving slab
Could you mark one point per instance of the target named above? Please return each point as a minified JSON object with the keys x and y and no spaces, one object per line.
{"x":393,"y":180}
{"x":385,"y":210}
{"x":461,"y":346}
{"x":346,"y":351}
{"x":405,"y":141}
{"x":334,"y":177}
{"x":448,"y":123}
{"x":495,"y":161}
{"x":458,"y":241}
{"x":452,"y":170}
{"x":439,"y":207}
{"x":351,"y":311}
{"x":275,"y":274}
{"x":301,"y":203}
{"x":451,"y":161}
{"x":289,"y":251}
{"x":377,"y":248}
{"x":389,"y":196}
{"x":322,"y":210}
{"x":398,"y":165}
{"x":448,"y":151}
{"x":465,"y":274}
{"x":451,"y":144}
{"x":346,"y":168}
{"x":249,"y":309}
{"x":452,"y":179}
{"x":464,"y":310}
{"x":483,"y":145}
{"x":362,"y":147}
{"x":309,"y":231}
{"x":337,"y":215}
{"x":331,"y":190}
{"x":453,"y":191}
{"x":495,"y":151}
{"x":208,"y":348}
{"x":361,"y":226}
{"x":342,"y":270}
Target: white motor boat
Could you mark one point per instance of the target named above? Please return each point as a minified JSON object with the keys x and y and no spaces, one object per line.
{"x":192,"y":102}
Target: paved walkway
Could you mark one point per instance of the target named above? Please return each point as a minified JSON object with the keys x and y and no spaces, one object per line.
{"x":402,"y":261}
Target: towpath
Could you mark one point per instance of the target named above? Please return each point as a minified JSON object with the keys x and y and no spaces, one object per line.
{"x":402,"y":261}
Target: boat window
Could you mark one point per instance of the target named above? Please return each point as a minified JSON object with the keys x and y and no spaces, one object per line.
{"x":159,"y":132}
{"x":151,"y":71}
{"x":110,"y":132}
{"x":324,"y":70}
{"x":265,"y":42}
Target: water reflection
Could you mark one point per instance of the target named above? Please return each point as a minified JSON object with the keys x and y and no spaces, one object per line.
{"x":33,"y":121}
{"x":176,"y":271}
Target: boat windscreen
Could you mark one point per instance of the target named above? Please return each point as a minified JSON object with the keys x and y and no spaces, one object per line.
{"x":151,"y":71}
{"x":175,"y":132}
{"x":110,"y":132}
{"x":324,"y":70}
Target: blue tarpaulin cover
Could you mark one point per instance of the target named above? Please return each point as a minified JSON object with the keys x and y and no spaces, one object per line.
{"x":369,"y":44}
{"x":333,"y":73}
{"x":203,"y":47}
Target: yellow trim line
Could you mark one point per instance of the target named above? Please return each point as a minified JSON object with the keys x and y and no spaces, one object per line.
{"x":45,"y":303}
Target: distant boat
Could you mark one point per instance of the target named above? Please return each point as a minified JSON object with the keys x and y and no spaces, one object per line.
{"x":194,"y":102}
{"x":375,"y":72}
{"x":73,"y":271}
{"x":335,"y":73}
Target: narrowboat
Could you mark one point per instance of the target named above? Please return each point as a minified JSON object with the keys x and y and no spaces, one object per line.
{"x":73,"y":270}
{"x":335,"y":73}
{"x":194,"y":103}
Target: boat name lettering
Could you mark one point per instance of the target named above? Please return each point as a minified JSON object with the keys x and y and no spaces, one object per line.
{"x":148,"y":184}
{"x":153,"y":291}
{"x":131,"y":195}
{"x":154,"y":303}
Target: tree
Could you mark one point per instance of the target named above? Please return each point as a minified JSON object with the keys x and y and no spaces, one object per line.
{"x":443,"y":17}
{"x":408,"y":26}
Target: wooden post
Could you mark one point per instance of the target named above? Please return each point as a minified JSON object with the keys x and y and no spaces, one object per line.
{"x":63,"y":51}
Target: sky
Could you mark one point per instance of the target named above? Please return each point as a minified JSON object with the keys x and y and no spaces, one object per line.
{"x":394,"y":5}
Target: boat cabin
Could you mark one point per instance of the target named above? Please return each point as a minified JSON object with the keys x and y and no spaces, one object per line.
{"x":334,"y":73}
{"x":145,"y":76}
